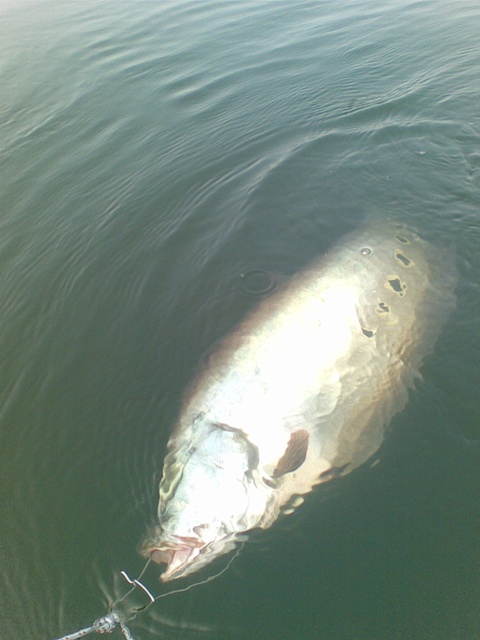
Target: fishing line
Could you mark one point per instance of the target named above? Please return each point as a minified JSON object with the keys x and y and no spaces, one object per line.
{"x":135,"y":583}
{"x":108,"y":623}
{"x":153,"y":599}
{"x":209,"y":579}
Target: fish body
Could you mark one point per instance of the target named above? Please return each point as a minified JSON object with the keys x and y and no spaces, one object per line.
{"x":300,"y":391}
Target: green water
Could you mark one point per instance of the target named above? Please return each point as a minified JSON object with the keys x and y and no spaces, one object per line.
{"x":151,"y":153}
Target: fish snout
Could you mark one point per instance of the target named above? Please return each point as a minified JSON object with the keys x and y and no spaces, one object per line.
{"x":177,"y":553}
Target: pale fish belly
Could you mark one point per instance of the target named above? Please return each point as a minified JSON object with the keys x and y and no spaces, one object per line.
{"x":302,"y":388}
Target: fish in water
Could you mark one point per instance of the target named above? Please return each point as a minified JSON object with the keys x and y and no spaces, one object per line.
{"x":299,"y":392}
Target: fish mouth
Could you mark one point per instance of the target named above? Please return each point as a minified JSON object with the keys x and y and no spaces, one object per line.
{"x":184,"y":555}
{"x":179,"y":555}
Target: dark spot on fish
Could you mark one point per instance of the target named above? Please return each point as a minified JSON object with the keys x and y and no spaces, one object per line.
{"x":328,"y":474}
{"x":402,"y":239}
{"x":397,"y":286}
{"x":406,"y":262}
{"x":295,"y":453}
{"x":333,"y":472}
{"x":383,"y":308}
{"x":368,"y":333}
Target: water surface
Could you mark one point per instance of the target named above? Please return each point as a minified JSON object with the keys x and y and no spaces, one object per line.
{"x":151,"y":153}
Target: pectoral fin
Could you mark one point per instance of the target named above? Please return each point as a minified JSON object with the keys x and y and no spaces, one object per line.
{"x":295,"y":453}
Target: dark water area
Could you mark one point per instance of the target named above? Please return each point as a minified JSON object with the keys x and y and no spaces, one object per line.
{"x":152,"y":153}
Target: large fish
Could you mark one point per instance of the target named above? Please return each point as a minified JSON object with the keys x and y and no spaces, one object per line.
{"x":300,"y":391}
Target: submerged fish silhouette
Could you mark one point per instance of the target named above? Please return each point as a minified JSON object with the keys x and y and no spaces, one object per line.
{"x":304,"y":385}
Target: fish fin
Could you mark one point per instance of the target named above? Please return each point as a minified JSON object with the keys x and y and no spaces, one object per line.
{"x":295,"y":453}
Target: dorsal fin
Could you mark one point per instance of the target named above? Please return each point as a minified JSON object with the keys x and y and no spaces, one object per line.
{"x":295,"y":453}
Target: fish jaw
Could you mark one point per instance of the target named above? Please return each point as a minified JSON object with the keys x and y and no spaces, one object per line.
{"x":183,"y":556}
{"x":177,"y":557}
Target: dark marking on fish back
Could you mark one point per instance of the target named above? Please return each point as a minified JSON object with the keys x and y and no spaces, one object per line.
{"x":403,"y":260}
{"x":396,"y":285}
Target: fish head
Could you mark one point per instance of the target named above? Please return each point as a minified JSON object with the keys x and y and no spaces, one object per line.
{"x":209,"y":496}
